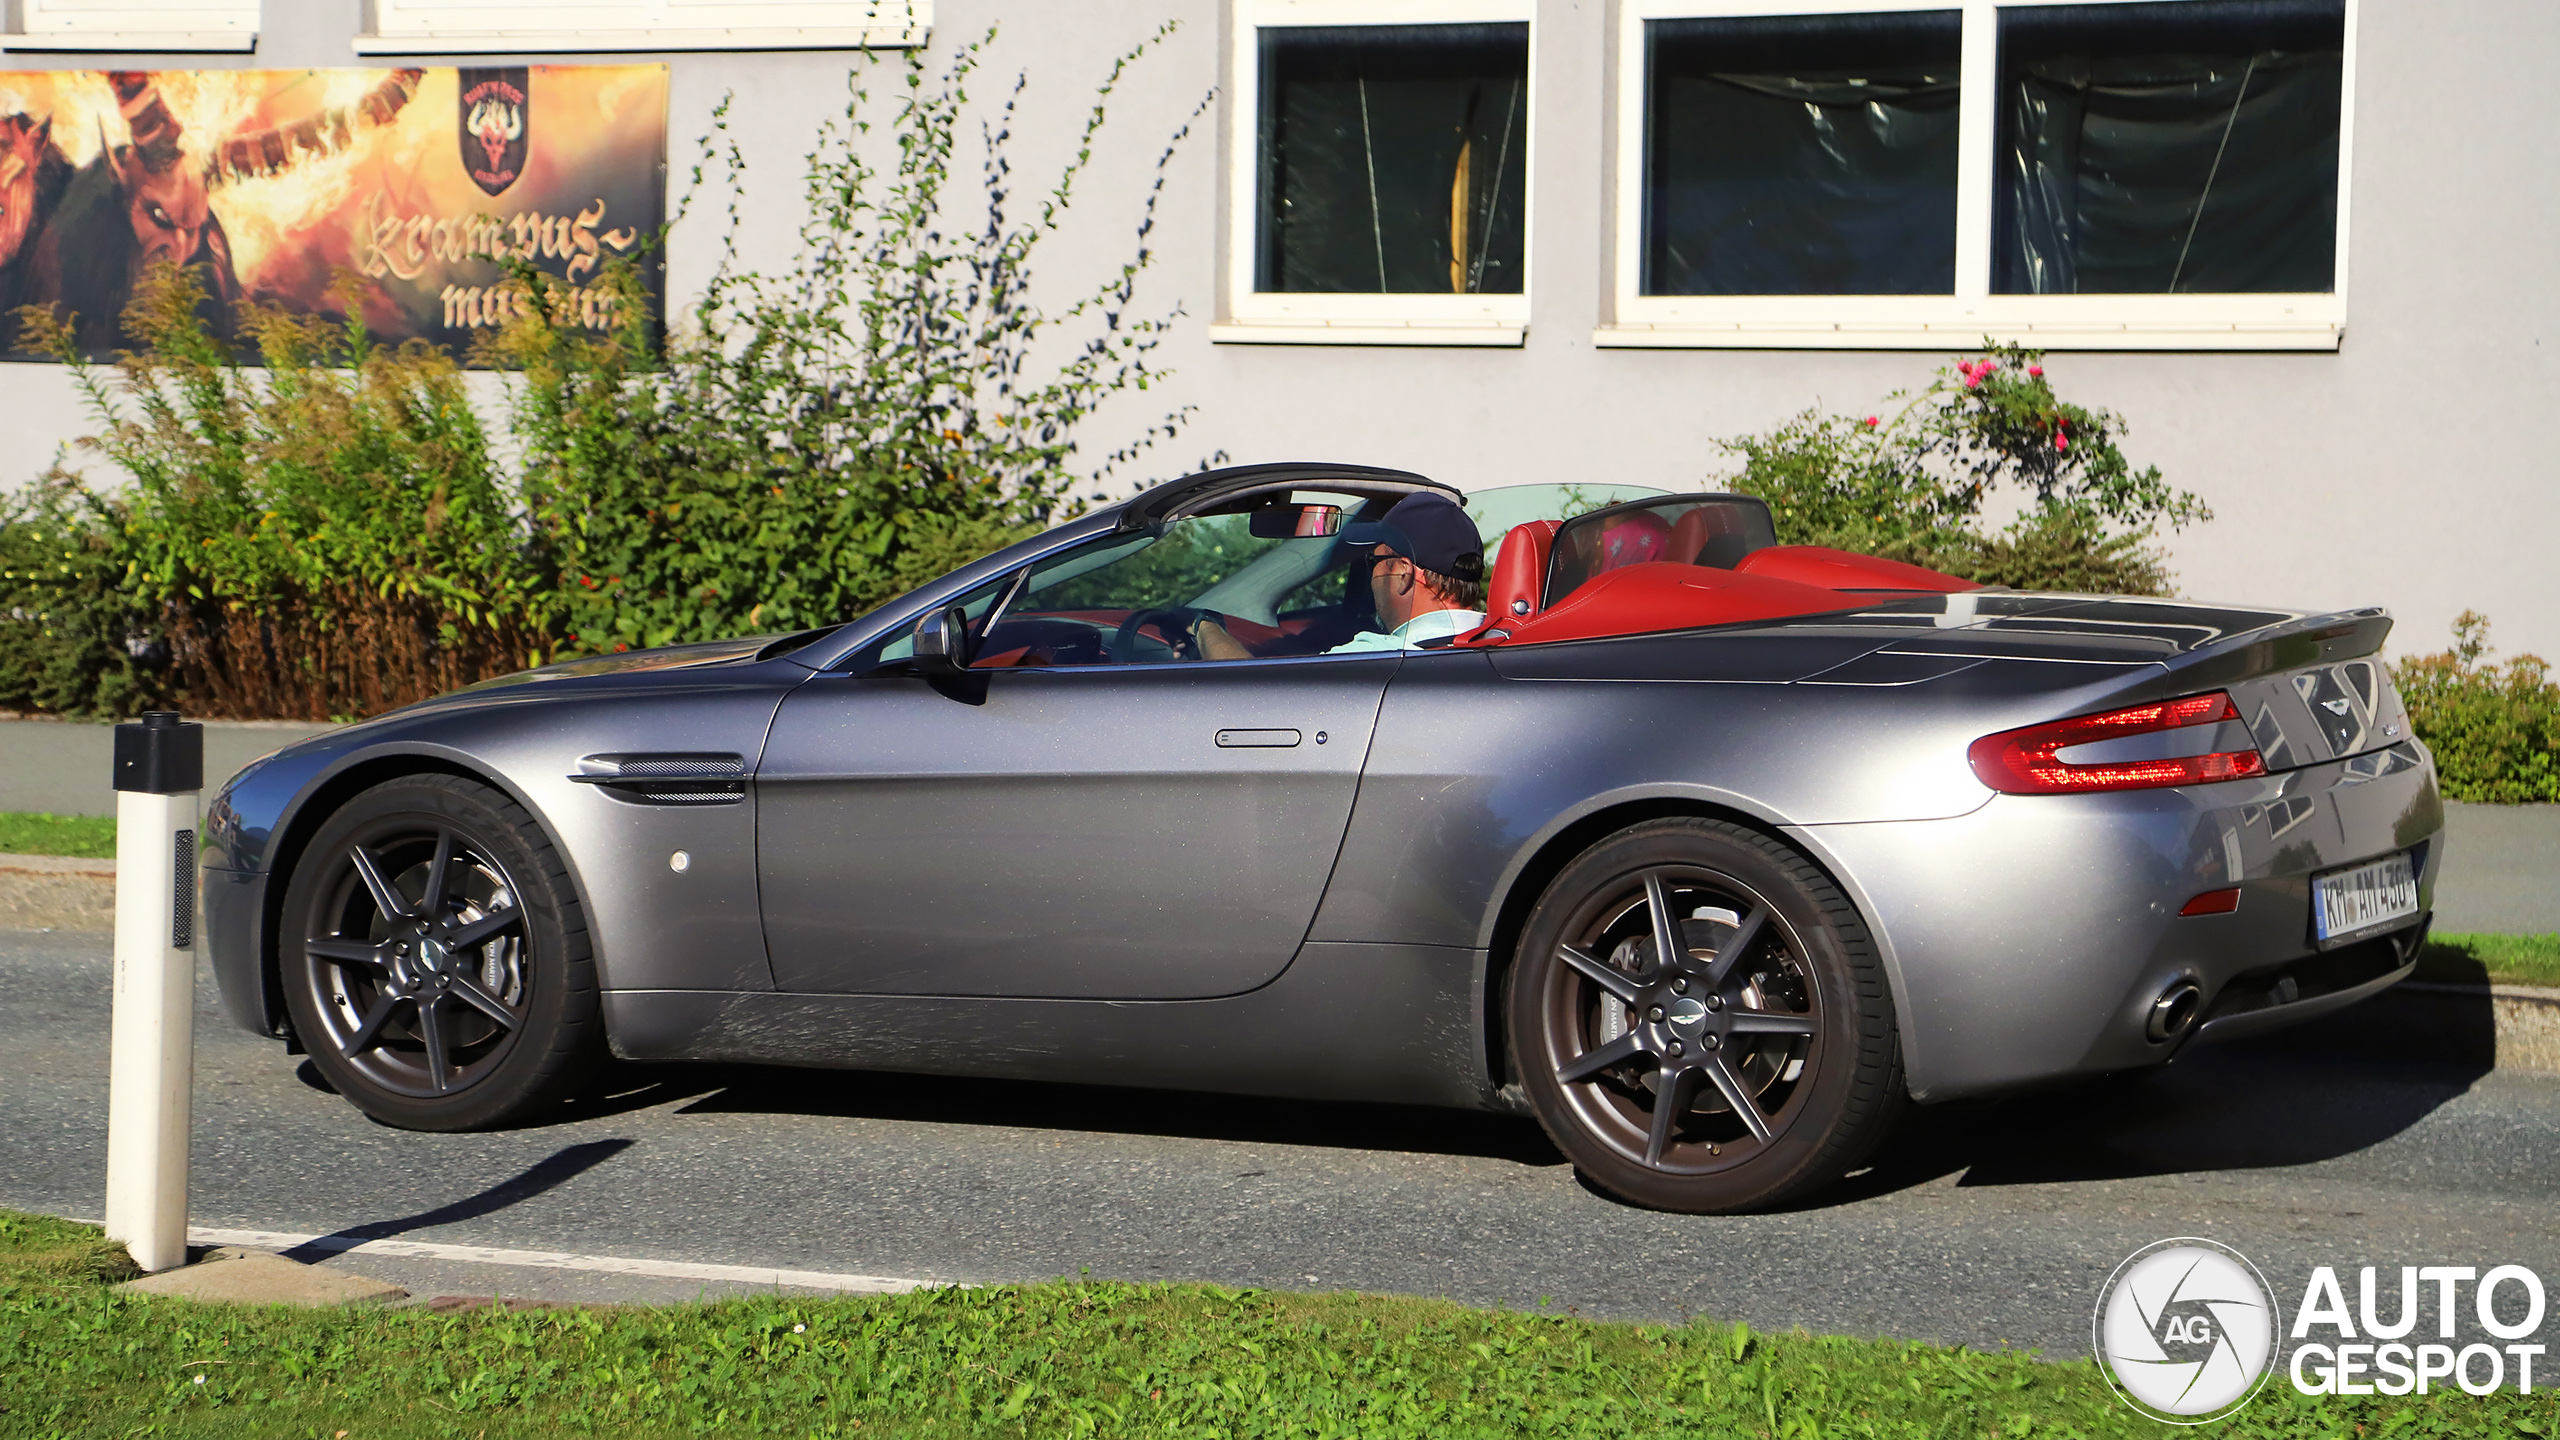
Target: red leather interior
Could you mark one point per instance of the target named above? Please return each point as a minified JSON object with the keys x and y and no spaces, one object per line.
{"x":1689,"y":537}
{"x":1519,"y":571}
{"x":1709,"y":536}
{"x":1652,"y":596}
{"x":1843,"y":570}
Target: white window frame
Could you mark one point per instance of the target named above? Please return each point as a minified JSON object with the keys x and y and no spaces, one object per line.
{"x":1264,"y":317}
{"x":489,"y":27}
{"x":140,"y":25}
{"x":1934,"y":322}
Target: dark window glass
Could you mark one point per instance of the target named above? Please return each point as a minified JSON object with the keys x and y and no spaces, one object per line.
{"x":2188,"y":147}
{"x":1802,"y":155}
{"x":1394,"y":159}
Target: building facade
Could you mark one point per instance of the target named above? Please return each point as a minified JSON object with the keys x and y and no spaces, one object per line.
{"x":2300,"y":244}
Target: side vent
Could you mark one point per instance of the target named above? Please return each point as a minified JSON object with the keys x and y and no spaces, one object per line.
{"x":686,"y":779}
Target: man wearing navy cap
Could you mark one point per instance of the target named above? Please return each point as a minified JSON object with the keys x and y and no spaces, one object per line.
{"x":1426,"y":573}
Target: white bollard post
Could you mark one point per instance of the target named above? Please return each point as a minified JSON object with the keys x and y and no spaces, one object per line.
{"x":159,"y":770}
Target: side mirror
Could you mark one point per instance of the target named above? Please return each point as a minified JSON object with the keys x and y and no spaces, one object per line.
{"x":1293,"y":522}
{"x":943,"y":643}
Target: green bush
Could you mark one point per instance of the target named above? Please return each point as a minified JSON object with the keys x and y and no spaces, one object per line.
{"x":2495,"y":729}
{"x":821,"y":437}
{"x":1908,"y":483}
{"x":75,"y":639}
{"x":322,"y":534}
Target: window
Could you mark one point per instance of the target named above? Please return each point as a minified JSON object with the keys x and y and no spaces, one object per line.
{"x":1893,"y":173}
{"x":146,"y":25}
{"x":1380,"y":175}
{"x":456,"y":27}
{"x":1133,"y":598}
{"x":2169,"y":148}
{"x":1802,"y":156}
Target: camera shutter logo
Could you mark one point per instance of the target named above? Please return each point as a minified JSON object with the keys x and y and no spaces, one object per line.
{"x":2187,"y":1330}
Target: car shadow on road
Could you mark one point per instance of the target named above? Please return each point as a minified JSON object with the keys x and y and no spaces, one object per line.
{"x":557,"y":1169}
{"x":2328,"y":1089}
{"x":1182,"y":1114}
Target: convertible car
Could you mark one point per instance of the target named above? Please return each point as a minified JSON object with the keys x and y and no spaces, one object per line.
{"x":1711,"y":853}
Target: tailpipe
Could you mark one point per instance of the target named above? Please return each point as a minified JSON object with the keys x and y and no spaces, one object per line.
{"x":2175,"y":1012}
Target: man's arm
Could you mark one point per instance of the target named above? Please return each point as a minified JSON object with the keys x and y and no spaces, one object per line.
{"x":1214,"y":643}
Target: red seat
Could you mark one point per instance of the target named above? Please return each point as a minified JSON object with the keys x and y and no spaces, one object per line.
{"x":1519,"y":571}
{"x":1710,"y":535}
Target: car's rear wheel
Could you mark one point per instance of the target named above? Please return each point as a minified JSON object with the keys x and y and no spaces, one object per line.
{"x":435,"y":959}
{"x":1701,"y":1021}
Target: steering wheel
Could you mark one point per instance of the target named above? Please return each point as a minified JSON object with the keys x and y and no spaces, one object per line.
{"x":1129,"y":647}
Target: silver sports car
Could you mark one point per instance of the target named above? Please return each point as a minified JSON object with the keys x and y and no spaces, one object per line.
{"x":1710,"y":853}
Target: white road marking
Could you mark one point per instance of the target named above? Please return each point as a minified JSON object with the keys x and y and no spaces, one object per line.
{"x":559,"y":1260}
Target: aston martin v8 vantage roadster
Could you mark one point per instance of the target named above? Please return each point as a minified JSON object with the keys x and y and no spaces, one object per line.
{"x":1709,"y":852}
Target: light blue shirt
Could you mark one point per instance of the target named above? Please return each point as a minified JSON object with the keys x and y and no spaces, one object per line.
{"x":1430,"y":625}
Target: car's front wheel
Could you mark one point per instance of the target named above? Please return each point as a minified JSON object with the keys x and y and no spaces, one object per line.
{"x":435,"y":958}
{"x":1701,"y":1020}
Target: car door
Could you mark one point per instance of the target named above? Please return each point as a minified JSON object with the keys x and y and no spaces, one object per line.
{"x":1146,"y":828}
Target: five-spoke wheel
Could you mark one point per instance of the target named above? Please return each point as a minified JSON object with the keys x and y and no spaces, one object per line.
{"x":1701,"y":1021}
{"x":435,"y":961}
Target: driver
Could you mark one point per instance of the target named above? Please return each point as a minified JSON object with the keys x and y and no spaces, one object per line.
{"x":1426,"y":575}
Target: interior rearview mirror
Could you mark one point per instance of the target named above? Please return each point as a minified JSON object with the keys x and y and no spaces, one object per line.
{"x":943,"y":644}
{"x":1292,"y":521}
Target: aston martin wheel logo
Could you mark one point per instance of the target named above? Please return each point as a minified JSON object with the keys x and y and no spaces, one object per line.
{"x":2187,"y":1330}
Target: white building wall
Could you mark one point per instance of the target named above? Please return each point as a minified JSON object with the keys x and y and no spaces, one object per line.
{"x":2414,"y":468}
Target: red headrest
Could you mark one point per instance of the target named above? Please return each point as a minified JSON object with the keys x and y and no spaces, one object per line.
{"x":1519,"y":572}
{"x":1709,"y":535}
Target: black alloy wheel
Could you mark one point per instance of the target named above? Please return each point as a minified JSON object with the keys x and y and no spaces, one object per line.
{"x":436,"y":961}
{"x":1701,"y":1021}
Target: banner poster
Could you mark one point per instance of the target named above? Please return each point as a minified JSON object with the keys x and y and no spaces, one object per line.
{"x":423,"y":184}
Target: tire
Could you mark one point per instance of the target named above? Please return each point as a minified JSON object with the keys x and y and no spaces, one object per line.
{"x":472,"y":1012}
{"x":1778,"y":1002}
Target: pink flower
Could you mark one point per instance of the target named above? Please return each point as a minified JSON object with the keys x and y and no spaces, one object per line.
{"x":1972,"y":379}
{"x":2061,"y":441}
{"x":1870,"y":422}
{"x":2036,"y":370}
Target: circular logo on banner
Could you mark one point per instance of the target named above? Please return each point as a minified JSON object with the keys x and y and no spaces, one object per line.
{"x":2187,"y":1330}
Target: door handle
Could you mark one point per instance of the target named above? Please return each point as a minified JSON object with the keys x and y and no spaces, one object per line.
{"x":1257,"y":739}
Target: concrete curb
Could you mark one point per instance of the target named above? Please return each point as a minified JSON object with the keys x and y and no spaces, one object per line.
{"x":57,"y":865}
{"x":54,"y":892}
{"x":233,"y":1275}
{"x":2523,"y":1020}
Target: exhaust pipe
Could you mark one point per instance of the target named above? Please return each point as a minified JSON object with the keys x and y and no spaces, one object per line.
{"x":2175,"y":1012}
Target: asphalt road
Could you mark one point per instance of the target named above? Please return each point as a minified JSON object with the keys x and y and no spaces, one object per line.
{"x":1987,"y":1224}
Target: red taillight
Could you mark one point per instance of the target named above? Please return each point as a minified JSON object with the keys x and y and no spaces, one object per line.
{"x":2025,"y":762}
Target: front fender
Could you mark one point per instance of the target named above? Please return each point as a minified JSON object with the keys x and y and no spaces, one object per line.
{"x":650,"y":927}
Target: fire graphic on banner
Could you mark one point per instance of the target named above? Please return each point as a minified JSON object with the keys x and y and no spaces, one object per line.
{"x":273,"y":183}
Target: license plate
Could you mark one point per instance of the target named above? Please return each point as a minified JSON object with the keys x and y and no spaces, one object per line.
{"x":2348,"y":904}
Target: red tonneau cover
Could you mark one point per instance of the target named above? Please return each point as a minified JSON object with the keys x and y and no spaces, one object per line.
{"x":1768,"y":584}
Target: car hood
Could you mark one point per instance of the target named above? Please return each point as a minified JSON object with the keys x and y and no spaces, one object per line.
{"x":665,"y":657}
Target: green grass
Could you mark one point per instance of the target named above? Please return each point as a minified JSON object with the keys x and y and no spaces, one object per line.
{"x":90,"y":837}
{"x":2491,"y":959}
{"x":1065,"y":1358}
